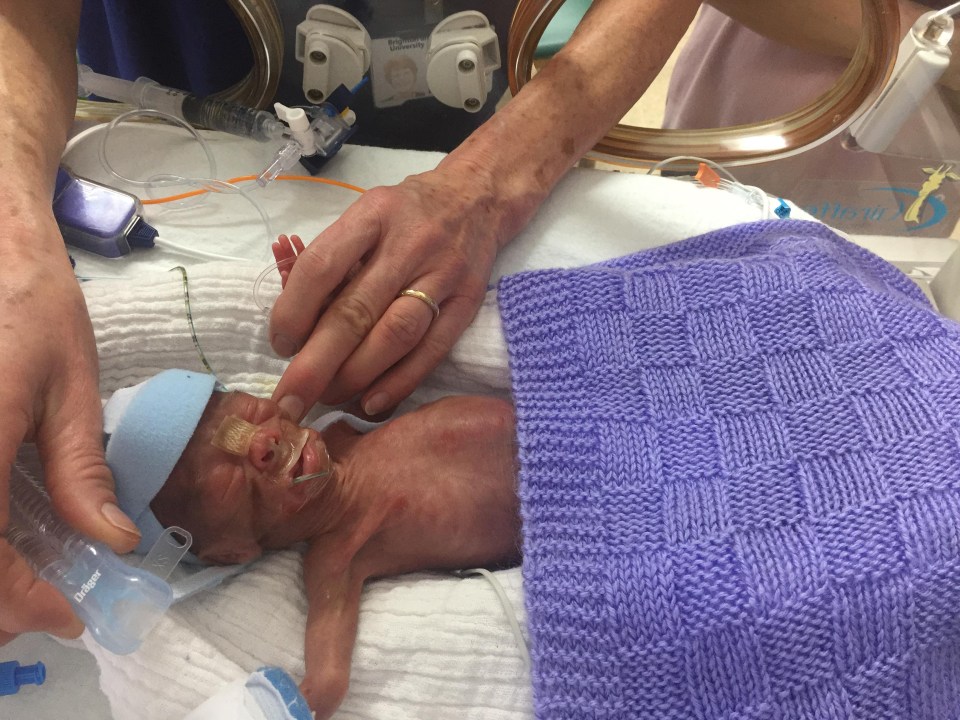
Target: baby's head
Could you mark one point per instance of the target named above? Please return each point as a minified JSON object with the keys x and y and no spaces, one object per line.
{"x":222,"y":465}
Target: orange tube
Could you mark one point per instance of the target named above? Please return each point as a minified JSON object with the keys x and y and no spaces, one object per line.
{"x":248,"y":178}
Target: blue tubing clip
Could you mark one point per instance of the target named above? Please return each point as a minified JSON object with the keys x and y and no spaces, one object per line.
{"x":13,"y":675}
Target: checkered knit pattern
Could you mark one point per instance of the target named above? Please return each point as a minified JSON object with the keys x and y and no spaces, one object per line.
{"x":740,"y":483}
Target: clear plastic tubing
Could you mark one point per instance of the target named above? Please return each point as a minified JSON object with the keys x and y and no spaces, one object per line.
{"x":118,"y":603}
{"x":146,"y":94}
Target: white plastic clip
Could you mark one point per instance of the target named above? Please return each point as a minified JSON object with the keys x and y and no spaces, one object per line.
{"x":334,"y":48}
{"x":167,"y":552}
{"x":923,"y":57}
{"x":299,"y":123}
{"x":462,"y":55}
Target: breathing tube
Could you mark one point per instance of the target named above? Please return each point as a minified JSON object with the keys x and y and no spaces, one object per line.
{"x":118,"y":603}
{"x":827,"y":116}
{"x":261,"y":24}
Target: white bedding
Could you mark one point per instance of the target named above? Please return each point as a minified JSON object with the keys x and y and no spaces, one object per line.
{"x":429,"y":646}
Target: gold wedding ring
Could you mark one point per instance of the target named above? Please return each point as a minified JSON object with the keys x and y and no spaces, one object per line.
{"x":422,"y":296}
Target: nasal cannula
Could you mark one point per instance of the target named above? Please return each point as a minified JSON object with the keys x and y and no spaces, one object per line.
{"x":146,"y":94}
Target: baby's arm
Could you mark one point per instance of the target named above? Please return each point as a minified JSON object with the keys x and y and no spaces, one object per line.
{"x":430,"y":490}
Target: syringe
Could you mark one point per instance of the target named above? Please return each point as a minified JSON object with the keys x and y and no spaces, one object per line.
{"x":118,"y":603}
{"x":146,"y":94}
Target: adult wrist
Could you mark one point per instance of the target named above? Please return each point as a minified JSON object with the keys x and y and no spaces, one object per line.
{"x":508,"y":192}
{"x":30,"y":235}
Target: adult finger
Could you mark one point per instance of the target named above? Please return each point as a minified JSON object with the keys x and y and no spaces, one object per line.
{"x":318,"y":270}
{"x":405,"y":376}
{"x":26,"y":604}
{"x":333,"y":594}
{"x":70,"y":442}
{"x":402,"y":326}
{"x":29,"y":604}
{"x":343,"y":327}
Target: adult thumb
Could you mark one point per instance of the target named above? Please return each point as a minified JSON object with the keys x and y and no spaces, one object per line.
{"x":333,"y":595}
{"x":70,"y":442}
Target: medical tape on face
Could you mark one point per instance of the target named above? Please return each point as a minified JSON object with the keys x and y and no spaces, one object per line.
{"x":234,"y":435}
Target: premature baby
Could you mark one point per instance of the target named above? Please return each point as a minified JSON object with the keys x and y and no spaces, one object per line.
{"x":432,"y":489}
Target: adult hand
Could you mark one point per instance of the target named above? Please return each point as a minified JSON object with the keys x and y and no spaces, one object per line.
{"x":437,"y":233}
{"x":48,"y":395}
{"x":432,"y":489}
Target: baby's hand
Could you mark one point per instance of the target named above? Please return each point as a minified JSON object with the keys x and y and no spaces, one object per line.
{"x":285,"y":252}
{"x":433,"y":489}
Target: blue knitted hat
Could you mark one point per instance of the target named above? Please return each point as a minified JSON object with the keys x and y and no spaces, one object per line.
{"x":149,"y":426}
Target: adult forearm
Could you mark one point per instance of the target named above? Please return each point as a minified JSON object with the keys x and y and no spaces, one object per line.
{"x":569,"y":105}
{"x":37,"y":98}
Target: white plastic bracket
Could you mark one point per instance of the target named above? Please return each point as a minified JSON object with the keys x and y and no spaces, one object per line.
{"x":923,"y":57}
{"x":462,"y":54}
{"x":334,"y":49}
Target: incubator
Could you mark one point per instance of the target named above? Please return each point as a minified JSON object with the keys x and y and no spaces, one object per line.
{"x":433,"y":68}
{"x":869,"y":145}
{"x":430,"y":72}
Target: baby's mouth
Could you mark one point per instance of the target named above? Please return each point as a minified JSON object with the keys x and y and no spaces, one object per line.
{"x":314,"y":461}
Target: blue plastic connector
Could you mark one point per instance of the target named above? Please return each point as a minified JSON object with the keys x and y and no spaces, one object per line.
{"x":13,"y":675}
{"x":142,"y":235}
{"x":782,"y":210}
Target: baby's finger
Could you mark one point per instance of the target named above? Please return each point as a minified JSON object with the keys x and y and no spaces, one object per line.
{"x":333,"y":595}
{"x":283,"y":252}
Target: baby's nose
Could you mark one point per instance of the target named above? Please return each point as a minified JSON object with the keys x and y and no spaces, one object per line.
{"x":264,"y":450}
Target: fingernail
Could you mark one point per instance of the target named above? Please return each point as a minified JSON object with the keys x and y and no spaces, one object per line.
{"x":283,"y":346}
{"x":377,"y":404}
{"x":116,"y":517}
{"x":292,"y":406}
{"x":70,"y":631}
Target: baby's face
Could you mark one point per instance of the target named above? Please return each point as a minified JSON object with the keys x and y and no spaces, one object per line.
{"x":233,"y":487}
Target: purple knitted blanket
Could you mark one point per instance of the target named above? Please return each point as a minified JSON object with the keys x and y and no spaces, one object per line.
{"x":740,"y":482}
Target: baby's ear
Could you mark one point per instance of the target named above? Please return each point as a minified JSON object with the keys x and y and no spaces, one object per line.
{"x":229,"y":551}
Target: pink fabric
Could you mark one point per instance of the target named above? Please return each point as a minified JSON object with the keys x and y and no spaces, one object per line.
{"x":723,"y":58}
{"x":729,"y":75}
